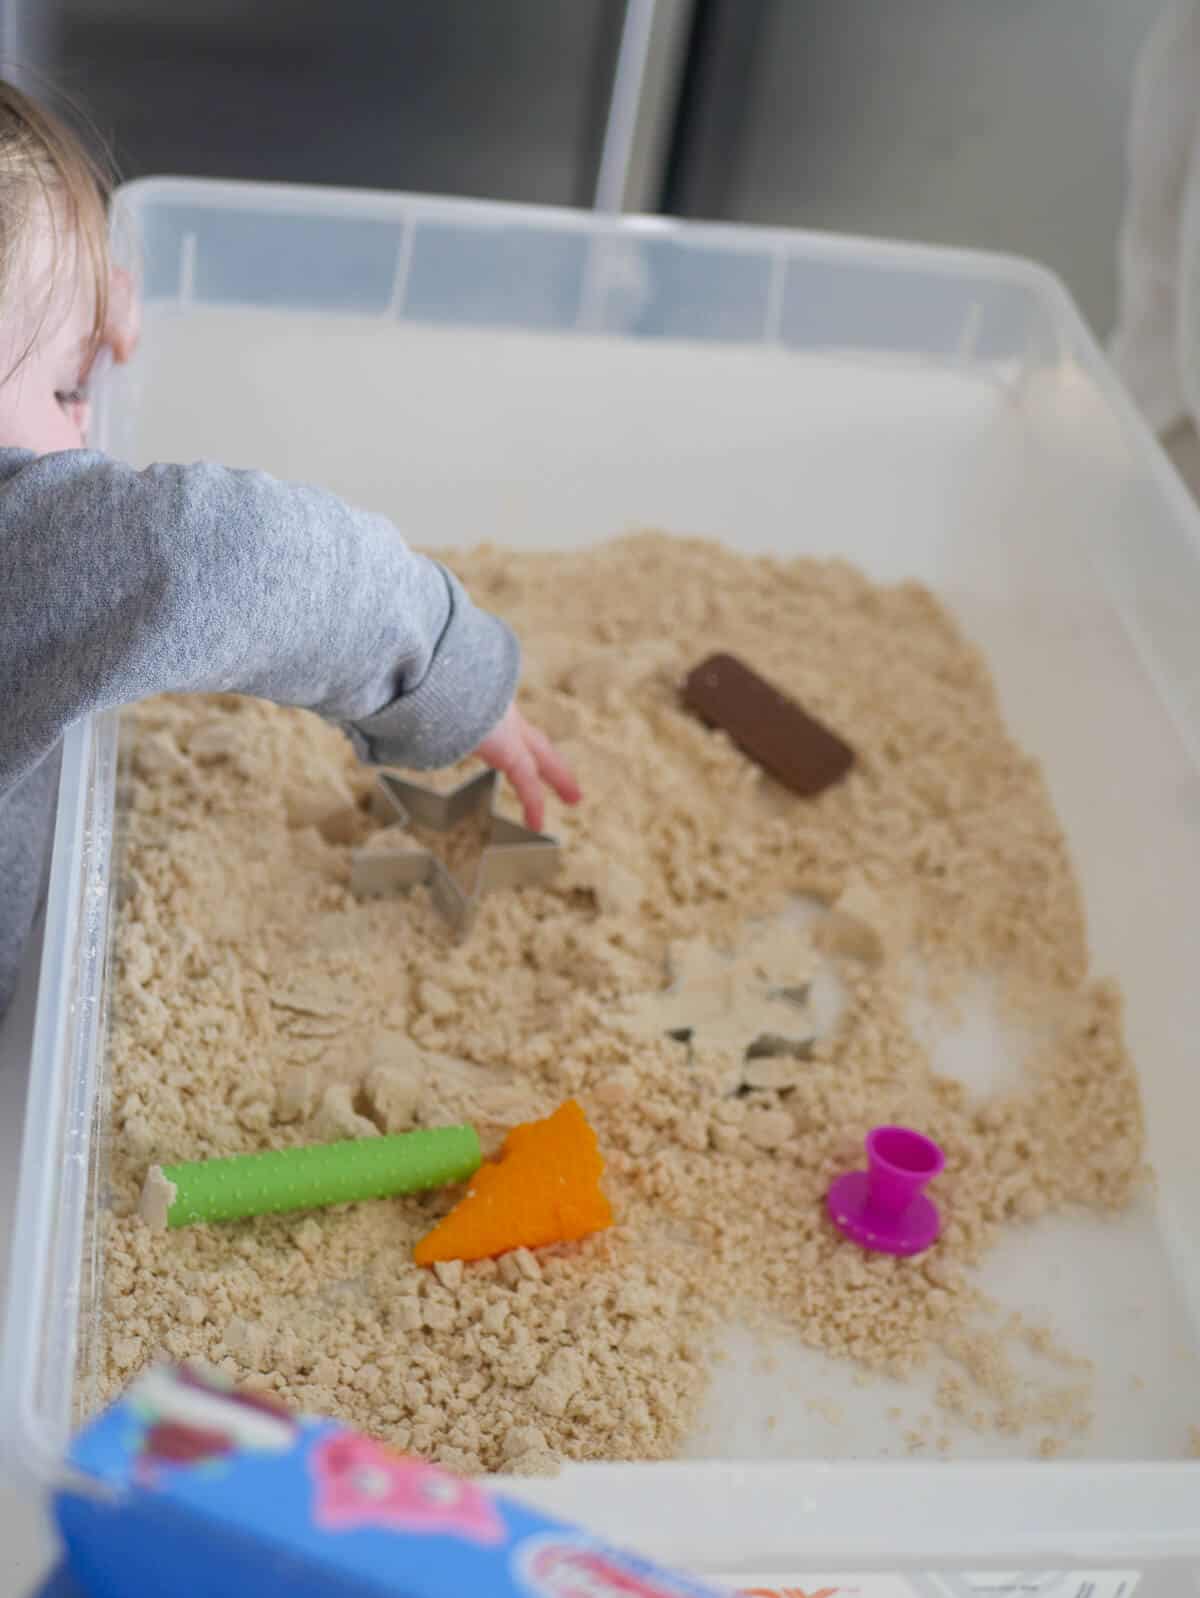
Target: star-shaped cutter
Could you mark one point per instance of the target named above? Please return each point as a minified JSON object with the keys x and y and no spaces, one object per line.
{"x":513,"y":857}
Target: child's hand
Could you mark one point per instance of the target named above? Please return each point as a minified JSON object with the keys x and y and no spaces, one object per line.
{"x":528,"y":759}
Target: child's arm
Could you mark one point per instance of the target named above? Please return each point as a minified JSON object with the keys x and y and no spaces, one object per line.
{"x":119,"y":584}
{"x":116,"y":584}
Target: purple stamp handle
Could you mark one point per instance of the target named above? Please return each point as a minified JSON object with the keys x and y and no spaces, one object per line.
{"x":884,"y":1208}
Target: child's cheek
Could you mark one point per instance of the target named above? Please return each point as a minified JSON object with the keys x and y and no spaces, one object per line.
{"x":43,"y":426}
{"x":56,"y":429}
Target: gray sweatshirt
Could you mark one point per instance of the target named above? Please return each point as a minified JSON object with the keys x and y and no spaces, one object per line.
{"x":117,"y":584}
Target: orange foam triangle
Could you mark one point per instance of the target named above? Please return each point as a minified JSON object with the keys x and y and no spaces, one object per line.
{"x":543,"y":1187}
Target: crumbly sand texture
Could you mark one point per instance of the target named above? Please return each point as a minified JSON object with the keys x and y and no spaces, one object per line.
{"x":259,"y":1005}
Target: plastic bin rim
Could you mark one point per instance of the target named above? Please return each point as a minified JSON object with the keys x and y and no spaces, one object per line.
{"x":402,"y":205}
{"x":26,"y":1451}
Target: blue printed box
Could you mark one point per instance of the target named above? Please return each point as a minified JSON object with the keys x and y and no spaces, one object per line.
{"x":201,"y":1490}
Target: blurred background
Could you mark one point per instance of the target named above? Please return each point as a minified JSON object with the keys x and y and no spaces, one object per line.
{"x":996,"y":123}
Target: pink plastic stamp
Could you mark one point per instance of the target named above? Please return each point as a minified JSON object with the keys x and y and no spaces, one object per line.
{"x":883,"y":1208}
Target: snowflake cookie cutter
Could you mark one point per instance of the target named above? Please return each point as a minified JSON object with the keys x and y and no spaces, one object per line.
{"x":514,"y":856}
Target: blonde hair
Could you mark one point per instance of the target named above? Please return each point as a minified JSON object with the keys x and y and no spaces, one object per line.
{"x":45,"y":167}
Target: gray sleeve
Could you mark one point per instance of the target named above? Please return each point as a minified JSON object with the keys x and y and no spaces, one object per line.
{"x":116,"y":584}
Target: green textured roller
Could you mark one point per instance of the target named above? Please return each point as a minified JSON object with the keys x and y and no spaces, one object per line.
{"x":308,"y":1178}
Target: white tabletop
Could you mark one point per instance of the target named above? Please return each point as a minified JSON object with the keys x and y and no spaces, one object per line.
{"x":24,"y":1534}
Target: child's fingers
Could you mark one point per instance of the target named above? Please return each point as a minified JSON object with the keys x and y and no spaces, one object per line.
{"x":553,"y":768}
{"x":520,"y":768}
{"x":525,"y":756}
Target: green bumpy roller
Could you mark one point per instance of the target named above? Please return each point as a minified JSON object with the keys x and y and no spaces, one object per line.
{"x":308,"y":1178}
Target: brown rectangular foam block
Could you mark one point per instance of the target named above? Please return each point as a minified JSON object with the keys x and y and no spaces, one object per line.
{"x":766,"y":725}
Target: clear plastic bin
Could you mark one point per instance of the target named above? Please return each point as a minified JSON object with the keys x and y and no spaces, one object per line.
{"x":538,"y":377}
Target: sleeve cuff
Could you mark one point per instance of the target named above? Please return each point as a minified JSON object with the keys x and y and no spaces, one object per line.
{"x":462,"y":696}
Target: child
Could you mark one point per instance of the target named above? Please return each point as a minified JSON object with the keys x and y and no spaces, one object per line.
{"x":117,"y":584}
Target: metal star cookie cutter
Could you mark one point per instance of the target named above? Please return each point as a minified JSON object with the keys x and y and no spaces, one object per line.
{"x":513,"y":857}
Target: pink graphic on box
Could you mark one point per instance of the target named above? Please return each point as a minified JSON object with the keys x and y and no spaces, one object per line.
{"x":555,"y":1566}
{"x":362,"y":1484}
